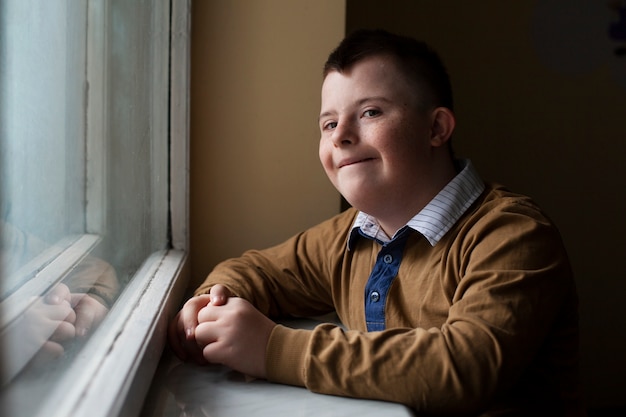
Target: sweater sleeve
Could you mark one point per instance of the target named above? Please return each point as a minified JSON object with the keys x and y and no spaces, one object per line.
{"x":293,"y":278}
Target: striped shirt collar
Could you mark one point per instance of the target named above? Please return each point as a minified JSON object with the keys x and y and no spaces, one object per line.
{"x":436,"y":219}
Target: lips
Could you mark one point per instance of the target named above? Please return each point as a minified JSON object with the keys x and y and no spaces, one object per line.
{"x":353,"y":161}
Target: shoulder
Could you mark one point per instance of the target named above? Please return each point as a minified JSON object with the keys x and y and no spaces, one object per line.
{"x":498,"y":200}
{"x":505,"y":224}
{"x":501,"y":218}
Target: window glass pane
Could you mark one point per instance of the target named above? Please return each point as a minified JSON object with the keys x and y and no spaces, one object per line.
{"x":42,"y":142}
{"x":83,"y":174}
{"x":136,"y":129}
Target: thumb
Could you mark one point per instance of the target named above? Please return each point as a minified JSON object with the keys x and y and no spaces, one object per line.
{"x":219,"y":295}
{"x":85,"y":316}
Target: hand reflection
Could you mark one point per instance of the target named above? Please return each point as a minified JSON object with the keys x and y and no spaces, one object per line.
{"x":49,"y":323}
{"x":61,"y":319}
{"x":58,"y":319}
{"x":89,"y":313}
{"x":40,"y":328}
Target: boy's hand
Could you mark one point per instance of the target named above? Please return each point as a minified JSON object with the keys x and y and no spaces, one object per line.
{"x":182,"y":330}
{"x":234,"y":334}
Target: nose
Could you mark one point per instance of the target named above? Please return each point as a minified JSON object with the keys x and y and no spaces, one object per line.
{"x":344,"y":134}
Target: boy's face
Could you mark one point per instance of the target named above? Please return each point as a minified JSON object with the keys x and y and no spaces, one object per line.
{"x":375,"y":141}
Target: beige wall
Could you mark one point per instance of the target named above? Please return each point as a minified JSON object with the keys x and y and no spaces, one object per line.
{"x":557,"y":136}
{"x":256,"y":74}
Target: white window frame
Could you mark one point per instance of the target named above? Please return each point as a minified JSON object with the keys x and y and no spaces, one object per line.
{"x":95,"y":219}
{"x":111,"y":375}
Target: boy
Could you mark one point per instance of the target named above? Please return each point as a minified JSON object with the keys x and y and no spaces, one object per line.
{"x":456,"y":295}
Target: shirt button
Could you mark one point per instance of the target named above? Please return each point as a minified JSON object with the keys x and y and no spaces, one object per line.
{"x":388,"y":259}
{"x":374,"y":296}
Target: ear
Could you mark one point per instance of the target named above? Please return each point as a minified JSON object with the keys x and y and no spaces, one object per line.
{"x":442,"y":123}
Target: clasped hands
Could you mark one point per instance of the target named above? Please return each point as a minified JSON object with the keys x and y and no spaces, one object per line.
{"x":222,"y":329}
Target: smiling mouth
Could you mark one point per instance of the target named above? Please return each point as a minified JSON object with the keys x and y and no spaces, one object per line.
{"x":355,"y":162}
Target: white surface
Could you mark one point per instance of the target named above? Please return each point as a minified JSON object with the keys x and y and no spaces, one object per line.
{"x":186,"y":389}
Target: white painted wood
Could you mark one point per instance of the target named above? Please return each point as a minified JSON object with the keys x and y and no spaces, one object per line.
{"x":179,"y":119}
{"x":96,"y":113}
{"x":159,"y":123}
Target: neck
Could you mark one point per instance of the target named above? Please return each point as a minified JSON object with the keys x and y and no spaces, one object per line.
{"x":395,"y":214}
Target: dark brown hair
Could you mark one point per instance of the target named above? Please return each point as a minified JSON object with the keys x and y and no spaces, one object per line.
{"x":418,"y":60}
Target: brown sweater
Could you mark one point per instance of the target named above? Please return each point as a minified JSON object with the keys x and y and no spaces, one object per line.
{"x":485,"y":321}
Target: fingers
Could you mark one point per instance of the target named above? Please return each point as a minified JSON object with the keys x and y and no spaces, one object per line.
{"x":182,"y":330}
{"x":85,"y":313}
{"x":207,"y":313}
{"x":41,"y":310}
{"x":84,"y":322}
{"x":89,"y":313}
{"x":206,"y":333}
{"x":176,"y":336}
{"x":71,"y":316}
{"x":234,"y":335}
{"x":219,"y":295}
{"x":189,"y":314}
{"x":63,"y":333}
{"x":58,"y":302}
{"x":58,"y":294}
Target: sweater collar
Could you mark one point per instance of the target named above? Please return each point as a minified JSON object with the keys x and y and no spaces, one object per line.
{"x":437,"y":217}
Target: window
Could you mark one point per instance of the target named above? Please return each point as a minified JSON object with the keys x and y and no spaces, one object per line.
{"x":93,"y":189}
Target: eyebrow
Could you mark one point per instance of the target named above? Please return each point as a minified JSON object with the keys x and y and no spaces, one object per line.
{"x":358,"y":103}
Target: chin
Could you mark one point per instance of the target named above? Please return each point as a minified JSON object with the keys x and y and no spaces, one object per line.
{"x":352,"y":190}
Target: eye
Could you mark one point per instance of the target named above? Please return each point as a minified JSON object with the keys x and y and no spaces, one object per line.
{"x":371,"y":113}
{"x":329,"y":125}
